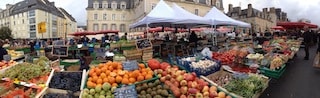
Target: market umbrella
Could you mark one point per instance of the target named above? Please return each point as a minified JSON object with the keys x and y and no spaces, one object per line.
{"x":293,"y":25}
{"x":107,"y":32}
{"x":82,"y":33}
{"x":278,"y":28}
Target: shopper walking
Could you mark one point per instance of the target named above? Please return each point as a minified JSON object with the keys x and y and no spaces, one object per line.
{"x":307,"y":38}
{"x":2,"y":51}
{"x":193,"y":38}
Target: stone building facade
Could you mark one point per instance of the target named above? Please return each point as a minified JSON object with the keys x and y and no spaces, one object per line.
{"x":119,"y":14}
{"x":22,"y":18}
{"x":260,"y":21}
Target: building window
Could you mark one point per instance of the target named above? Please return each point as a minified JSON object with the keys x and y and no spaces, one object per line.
{"x":95,"y":16}
{"x":32,"y":13}
{"x":14,"y":22}
{"x":104,"y":26}
{"x":109,"y":5}
{"x":123,"y":17}
{"x":96,"y":5}
{"x":105,"y":5}
{"x":114,"y":5}
{"x":32,"y":28}
{"x":123,"y":5}
{"x":32,"y":21}
{"x":95,"y":27}
{"x":196,"y":11}
{"x":218,"y":4}
{"x":122,"y":28}
{"x":33,"y":34}
{"x":113,"y":16}
{"x":104,"y":16}
{"x":113,"y":27}
{"x":203,"y":1}
{"x":153,"y":5}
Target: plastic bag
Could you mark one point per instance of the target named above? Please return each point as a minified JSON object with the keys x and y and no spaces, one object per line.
{"x":206,"y":52}
{"x":316,"y":61}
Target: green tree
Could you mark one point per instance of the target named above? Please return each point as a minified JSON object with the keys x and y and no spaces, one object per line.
{"x":5,"y":33}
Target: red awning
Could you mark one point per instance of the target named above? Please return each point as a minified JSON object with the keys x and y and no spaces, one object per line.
{"x":293,"y":25}
{"x":82,"y":33}
{"x":278,"y":28}
{"x":107,"y":32}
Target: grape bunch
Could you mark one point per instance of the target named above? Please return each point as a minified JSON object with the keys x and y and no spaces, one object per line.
{"x":66,"y":81}
{"x":25,"y":71}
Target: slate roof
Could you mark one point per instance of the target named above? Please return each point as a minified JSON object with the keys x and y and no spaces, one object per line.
{"x":68,"y":15}
{"x":28,"y":5}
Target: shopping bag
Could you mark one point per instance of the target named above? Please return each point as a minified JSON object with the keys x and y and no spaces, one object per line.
{"x":316,"y":61}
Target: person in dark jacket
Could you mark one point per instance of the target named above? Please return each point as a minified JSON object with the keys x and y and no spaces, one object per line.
{"x":2,"y":51}
{"x":193,"y":38}
{"x":307,"y":38}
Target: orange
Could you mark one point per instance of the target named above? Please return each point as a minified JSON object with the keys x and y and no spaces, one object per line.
{"x":118,"y":79}
{"x":111,"y":80}
{"x":99,"y":81}
{"x":91,"y":84}
{"x":94,"y":74}
{"x":115,"y":65}
{"x":150,"y":72}
{"x":95,"y":79}
{"x":148,"y":76}
{"x":105,"y":80}
{"x":98,"y":71}
{"x":142,"y":66}
{"x":126,"y":76}
{"x":125,"y":81}
{"x":119,"y":67}
{"x":114,"y":85}
{"x":135,"y":73}
{"x":91,"y":72}
{"x":144,"y":73}
{"x":140,"y":78}
{"x":103,"y":69}
{"x":103,"y":75}
{"x":107,"y":72}
{"x":100,"y":65}
{"x":132,"y":80}
{"x":90,"y":79}
{"x":110,"y":68}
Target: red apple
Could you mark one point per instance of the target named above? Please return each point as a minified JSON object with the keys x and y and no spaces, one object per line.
{"x":183,"y":96}
{"x":194,"y":84}
{"x":190,"y":84}
{"x":206,"y":94}
{"x":205,"y":89}
{"x":168,"y":77}
{"x":192,"y":91}
{"x":162,"y":79}
{"x":213,"y":94}
{"x":184,"y":90}
{"x":199,"y":95}
{"x":179,"y":78}
{"x":172,"y":80}
{"x":183,"y":83}
{"x":164,"y":73}
{"x":176,"y":83}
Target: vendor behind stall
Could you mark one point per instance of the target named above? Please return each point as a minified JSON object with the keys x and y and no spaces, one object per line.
{"x":2,"y":51}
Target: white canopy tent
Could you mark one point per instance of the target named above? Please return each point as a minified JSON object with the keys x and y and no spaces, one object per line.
{"x":187,"y":18}
{"x":161,"y":14}
{"x":219,"y":18}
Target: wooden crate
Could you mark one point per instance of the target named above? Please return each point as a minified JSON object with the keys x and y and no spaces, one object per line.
{"x":56,"y":91}
{"x":132,"y":52}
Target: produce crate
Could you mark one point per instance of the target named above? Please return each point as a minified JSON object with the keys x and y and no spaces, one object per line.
{"x":130,"y":52}
{"x":217,"y":75}
{"x":186,"y":65}
{"x":153,"y":80}
{"x":273,"y":73}
{"x":70,"y":62}
{"x":82,"y":77}
{"x":55,"y":91}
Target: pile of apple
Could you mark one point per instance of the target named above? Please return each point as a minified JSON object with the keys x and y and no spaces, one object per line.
{"x":187,"y":85}
{"x":4,"y":64}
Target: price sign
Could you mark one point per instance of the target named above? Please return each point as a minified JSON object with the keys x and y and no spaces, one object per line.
{"x":6,"y":57}
{"x":61,"y":51}
{"x":126,"y":92}
{"x":143,"y":44}
{"x":130,"y":65}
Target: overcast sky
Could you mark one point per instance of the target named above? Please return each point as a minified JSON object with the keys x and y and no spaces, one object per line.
{"x":296,"y":9}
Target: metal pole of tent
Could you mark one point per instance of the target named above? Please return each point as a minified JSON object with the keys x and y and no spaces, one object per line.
{"x":147,"y":30}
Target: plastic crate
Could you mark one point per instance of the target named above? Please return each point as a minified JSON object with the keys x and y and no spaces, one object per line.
{"x":186,"y":65}
{"x":273,"y":73}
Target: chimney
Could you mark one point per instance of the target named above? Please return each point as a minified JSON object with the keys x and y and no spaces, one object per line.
{"x":272,"y":10}
{"x":8,"y":6}
{"x":249,"y":10}
{"x":52,"y":3}
{"x":230,"y":8}
{"x":265,"y":10}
